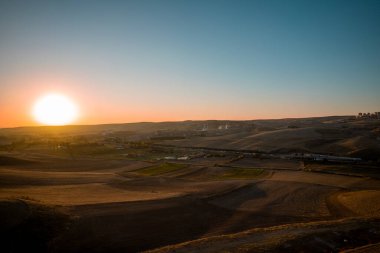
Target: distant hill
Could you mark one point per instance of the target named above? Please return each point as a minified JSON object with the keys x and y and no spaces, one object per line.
{"x":340,"y":135}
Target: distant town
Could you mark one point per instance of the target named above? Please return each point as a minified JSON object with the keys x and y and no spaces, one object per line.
{"x":375,"y":115}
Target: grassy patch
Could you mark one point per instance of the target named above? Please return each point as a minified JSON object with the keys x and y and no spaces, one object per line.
{"x":161,"y":169}
{"x":241,"y":173}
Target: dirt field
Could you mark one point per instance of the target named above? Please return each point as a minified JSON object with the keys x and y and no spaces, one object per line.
{"x":131,"y":206}
{"x":314,"y":237}
{"x":105,"y":200}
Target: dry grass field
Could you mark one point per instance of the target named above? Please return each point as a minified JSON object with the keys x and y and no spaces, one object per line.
{"x":89,"y":199}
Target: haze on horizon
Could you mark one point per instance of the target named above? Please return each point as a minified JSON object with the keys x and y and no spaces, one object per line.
{"x":128,"y":61}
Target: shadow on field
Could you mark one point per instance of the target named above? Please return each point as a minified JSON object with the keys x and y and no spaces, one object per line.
{"x":29,"y":227}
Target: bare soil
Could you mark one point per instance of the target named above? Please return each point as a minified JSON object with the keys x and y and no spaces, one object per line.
{"x":92,"y":204}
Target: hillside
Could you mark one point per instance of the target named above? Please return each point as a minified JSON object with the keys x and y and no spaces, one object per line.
{"x":338,"y":135}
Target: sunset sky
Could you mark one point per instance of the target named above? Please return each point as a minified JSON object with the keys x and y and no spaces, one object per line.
{"x":160,"y":60}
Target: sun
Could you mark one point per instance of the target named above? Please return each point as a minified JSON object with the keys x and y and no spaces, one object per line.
{"x":55,"y":110}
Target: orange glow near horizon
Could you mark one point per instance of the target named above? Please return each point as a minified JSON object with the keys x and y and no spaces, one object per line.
{"x":55,"y":110}
{"x":106,"y":106}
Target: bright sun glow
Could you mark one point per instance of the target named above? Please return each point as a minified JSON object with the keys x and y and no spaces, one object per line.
{"x":55,"y":109}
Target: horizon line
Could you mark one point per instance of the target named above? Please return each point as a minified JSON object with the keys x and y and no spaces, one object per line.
{"x":173,"y":121}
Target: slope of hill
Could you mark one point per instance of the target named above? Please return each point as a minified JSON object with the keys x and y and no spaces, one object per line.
{"x":338,"y":135}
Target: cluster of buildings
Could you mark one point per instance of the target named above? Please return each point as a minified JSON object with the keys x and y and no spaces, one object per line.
{"x":319,"y":157}
{"x":375,"y":115}
{"x":181,"y":158}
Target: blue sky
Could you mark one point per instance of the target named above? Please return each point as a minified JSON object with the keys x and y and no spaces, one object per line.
{"x":177,"y":60}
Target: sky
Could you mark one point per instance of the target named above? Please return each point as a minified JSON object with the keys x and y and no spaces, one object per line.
{"x":162,"y":60}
